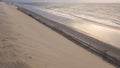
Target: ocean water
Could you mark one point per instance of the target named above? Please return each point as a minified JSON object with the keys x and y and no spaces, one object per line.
{"x":105,"y":14}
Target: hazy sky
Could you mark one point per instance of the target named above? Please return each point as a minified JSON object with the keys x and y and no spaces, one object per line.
{"x":116,"y":1}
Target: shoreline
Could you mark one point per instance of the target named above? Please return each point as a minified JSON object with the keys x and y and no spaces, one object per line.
{"x":103,"y":55}
{"x":25,"y":43}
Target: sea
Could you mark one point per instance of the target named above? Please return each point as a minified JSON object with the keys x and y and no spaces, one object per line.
{"x":101,"y":13}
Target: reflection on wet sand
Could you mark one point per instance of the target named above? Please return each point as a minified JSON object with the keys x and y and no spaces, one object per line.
{"x":106,"y":34}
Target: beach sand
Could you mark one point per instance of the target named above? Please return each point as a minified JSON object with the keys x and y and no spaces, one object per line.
{"x":25,"y":43}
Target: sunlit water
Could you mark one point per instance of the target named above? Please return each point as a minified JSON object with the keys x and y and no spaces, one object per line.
{"x":99,"y":20}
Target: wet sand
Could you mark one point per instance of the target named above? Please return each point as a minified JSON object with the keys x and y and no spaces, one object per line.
{"x":25,"y":43}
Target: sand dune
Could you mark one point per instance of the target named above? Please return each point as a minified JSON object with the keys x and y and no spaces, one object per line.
{"x":25,"y":43}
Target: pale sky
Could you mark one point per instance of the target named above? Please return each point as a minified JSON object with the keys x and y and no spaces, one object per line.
{"x":104,"y":1}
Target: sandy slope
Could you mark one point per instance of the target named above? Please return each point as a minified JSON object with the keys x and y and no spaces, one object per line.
{"x":25,"y":43}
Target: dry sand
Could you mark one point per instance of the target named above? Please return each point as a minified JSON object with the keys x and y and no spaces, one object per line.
{"x":25,"y":43}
